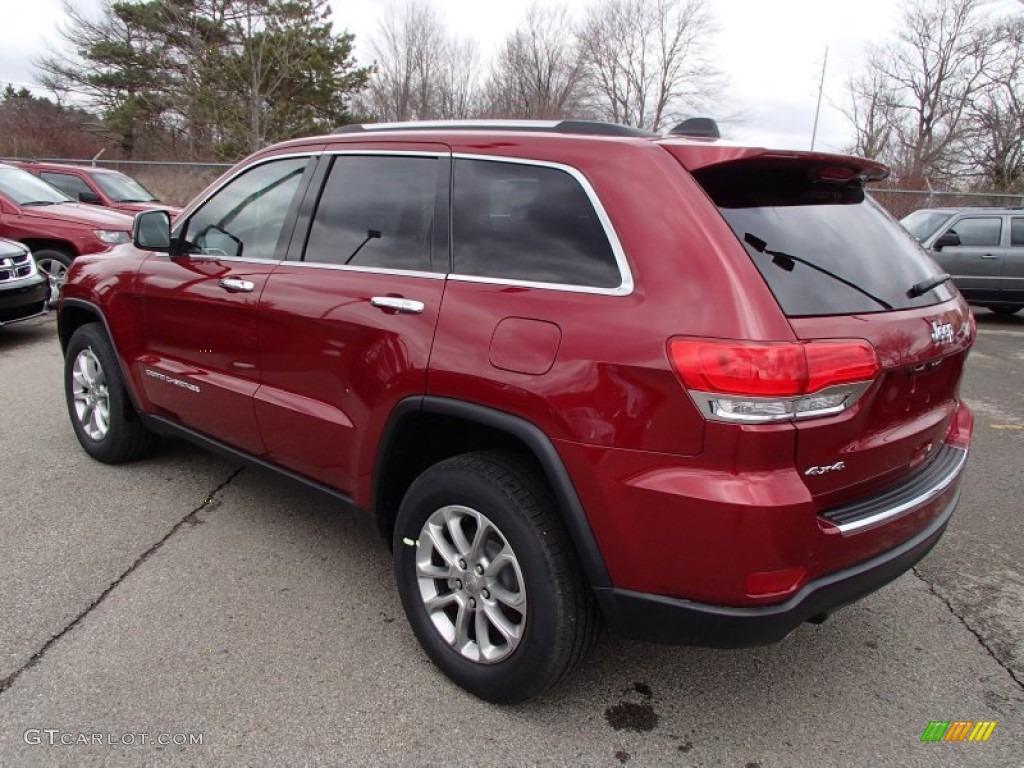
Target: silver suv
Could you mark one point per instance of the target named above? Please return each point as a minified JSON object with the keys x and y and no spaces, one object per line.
{"x":982,"y":248}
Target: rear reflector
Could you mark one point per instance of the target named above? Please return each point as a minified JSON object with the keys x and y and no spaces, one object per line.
{"x":774,"y":381}
{"x":774,"y":583}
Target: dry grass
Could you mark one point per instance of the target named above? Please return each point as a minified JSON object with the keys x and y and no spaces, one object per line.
{"x":174,"y":185}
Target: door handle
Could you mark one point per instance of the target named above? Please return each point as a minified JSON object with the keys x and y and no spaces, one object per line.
{"x":990,"y":255}
{"x":410,"y":306}
{"x":235,"y":285}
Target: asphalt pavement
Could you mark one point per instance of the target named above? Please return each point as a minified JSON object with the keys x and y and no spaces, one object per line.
{"x":185,"y":599}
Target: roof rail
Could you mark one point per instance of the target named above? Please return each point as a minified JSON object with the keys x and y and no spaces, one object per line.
{"x":583,"y":127}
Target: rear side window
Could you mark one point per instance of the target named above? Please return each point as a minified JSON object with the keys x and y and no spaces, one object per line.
{"x":824,"y":248}
{"x":530,"y":223}
{"x":1017,"y":232}
{"x":979,"y":232}
{"x":67,"y":183}
{"x":376,"y":212}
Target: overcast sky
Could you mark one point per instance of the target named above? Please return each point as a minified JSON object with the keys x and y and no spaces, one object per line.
{"x":772,"y":51}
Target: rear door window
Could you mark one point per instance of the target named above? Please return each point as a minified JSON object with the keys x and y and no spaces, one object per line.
{"x":824,"y":248}
{"x":980,"y":232}
{"x":1017,"y":232}
{"x":67,"y":183}
{"x":376,"y":212}
{"x":528,"y":223}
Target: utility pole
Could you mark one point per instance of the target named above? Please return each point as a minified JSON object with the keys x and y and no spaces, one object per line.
{"x":821,"y":89}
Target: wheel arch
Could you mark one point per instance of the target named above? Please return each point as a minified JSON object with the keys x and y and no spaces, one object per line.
{"x":42,"y":243}
{"x":424,"y":430}
{"x":72,"y":314}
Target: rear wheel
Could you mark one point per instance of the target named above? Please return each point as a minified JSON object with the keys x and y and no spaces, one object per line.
{"x":54,"y":264}
{"x":101,"y":413}
{"x":488,"y":577}
{"x":1005,"y":309}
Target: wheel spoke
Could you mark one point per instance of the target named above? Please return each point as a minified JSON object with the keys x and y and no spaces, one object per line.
{"x":484,"y":530}
{"x":431,"y":571}
{"x":500,"y":561}
{"x":502,"y":623}
{"x":462,"y":621}
{"x":438,"y":602}
{"x":453,"y":520}
{"x":505,"y":596}
{"x":444,"y":549}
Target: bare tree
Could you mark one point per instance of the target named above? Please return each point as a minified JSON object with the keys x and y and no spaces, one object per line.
{"x":648,"y":62}
{"x":921,"y":86}
{"x":457,"y":87}
{"x":871,"y":111}
{"x":538,"y":73}
{"x":407,"y":49}
{"x":993,"y":143}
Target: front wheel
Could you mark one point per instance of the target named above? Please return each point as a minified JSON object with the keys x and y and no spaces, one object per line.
{"x":54,"y":264}
{"x":102,"y":415}
{"x":488,"y":577}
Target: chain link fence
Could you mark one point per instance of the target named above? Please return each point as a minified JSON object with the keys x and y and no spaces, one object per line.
{"x":174,"y":182}
{"x":900,"y":202}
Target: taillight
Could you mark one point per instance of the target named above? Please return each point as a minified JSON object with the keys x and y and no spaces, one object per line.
{"x":773,"y":381}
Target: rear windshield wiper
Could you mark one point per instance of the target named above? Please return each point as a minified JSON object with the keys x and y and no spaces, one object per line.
{"x":786,"y":261}
{"x":920,"y":289}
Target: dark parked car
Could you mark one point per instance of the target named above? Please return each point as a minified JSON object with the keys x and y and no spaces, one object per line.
{"x":577,"y":372}
{"x":23,"y":290}
{"x":97,"y":186}
{"x":982,"y":248}
{"x":53,"y":226}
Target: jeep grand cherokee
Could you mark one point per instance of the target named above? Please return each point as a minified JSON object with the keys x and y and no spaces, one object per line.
{"x":577,"y":372}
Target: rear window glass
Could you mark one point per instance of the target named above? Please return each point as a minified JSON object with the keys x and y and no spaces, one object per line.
{"x":1016,"y":232}
{"x":823,"y":248}
{"x":924,"y":224}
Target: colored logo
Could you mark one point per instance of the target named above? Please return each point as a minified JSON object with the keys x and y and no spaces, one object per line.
{"x":958,"y":730}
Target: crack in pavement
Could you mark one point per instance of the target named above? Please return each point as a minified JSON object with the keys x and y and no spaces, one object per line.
{"x":977,"y":635}
{"x":190,"y":519}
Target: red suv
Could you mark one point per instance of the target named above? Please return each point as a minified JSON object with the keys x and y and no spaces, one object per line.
{"x":578,"y":372}
{"x":97,"y":186}
{"x":53,"y":226}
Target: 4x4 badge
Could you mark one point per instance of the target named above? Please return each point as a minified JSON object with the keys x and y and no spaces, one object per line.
{"x":942,"y":333}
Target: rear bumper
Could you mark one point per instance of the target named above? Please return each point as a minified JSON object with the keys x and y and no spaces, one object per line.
{"x":683,"y":622}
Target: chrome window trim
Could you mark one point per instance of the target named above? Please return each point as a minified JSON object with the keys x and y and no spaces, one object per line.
{"x":370,"y":270}
{"x":908,"y":506}
{"x":381,"y":152}
{"x":626,"y":285}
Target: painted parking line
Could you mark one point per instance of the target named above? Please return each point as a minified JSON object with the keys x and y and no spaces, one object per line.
{"x":1007,"y":426}
{"x":1001,"y":331}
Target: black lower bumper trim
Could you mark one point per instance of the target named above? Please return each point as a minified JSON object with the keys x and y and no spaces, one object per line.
{"x":682,"y":622}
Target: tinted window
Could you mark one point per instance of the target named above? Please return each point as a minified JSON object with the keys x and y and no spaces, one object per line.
{"x":246,"y":216}
{"x":1017,"y":231}
{"x":123,"y":189}
{"x":923,"y":224}
{"x":25,"y":189}
{"x":525,"y":222}
{"x":823,"y":248}
{"x":376,"y":212}
{"x":979,"y":232}
{"x":66,"y":183}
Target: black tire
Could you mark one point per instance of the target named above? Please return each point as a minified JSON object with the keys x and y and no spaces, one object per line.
{"x":1004,"y":310}
{"x":561,"y":620}
{"x":56,"y":263}
{"x":125,"y":438}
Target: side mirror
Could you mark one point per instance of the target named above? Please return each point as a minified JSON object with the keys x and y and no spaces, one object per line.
{"x":151,"y":231}
{"x":90,"y":197}
{"x":946,"y":239}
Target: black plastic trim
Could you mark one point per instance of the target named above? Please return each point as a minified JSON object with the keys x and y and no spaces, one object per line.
{"x":938,"y":471}
{"x":659,"y":619}
{"x":95,"y":309}
{"x":565,"y":493}
{"x":165,"y":426}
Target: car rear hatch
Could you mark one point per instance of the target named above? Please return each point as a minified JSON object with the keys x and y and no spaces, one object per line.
{"x":845,"y":273}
